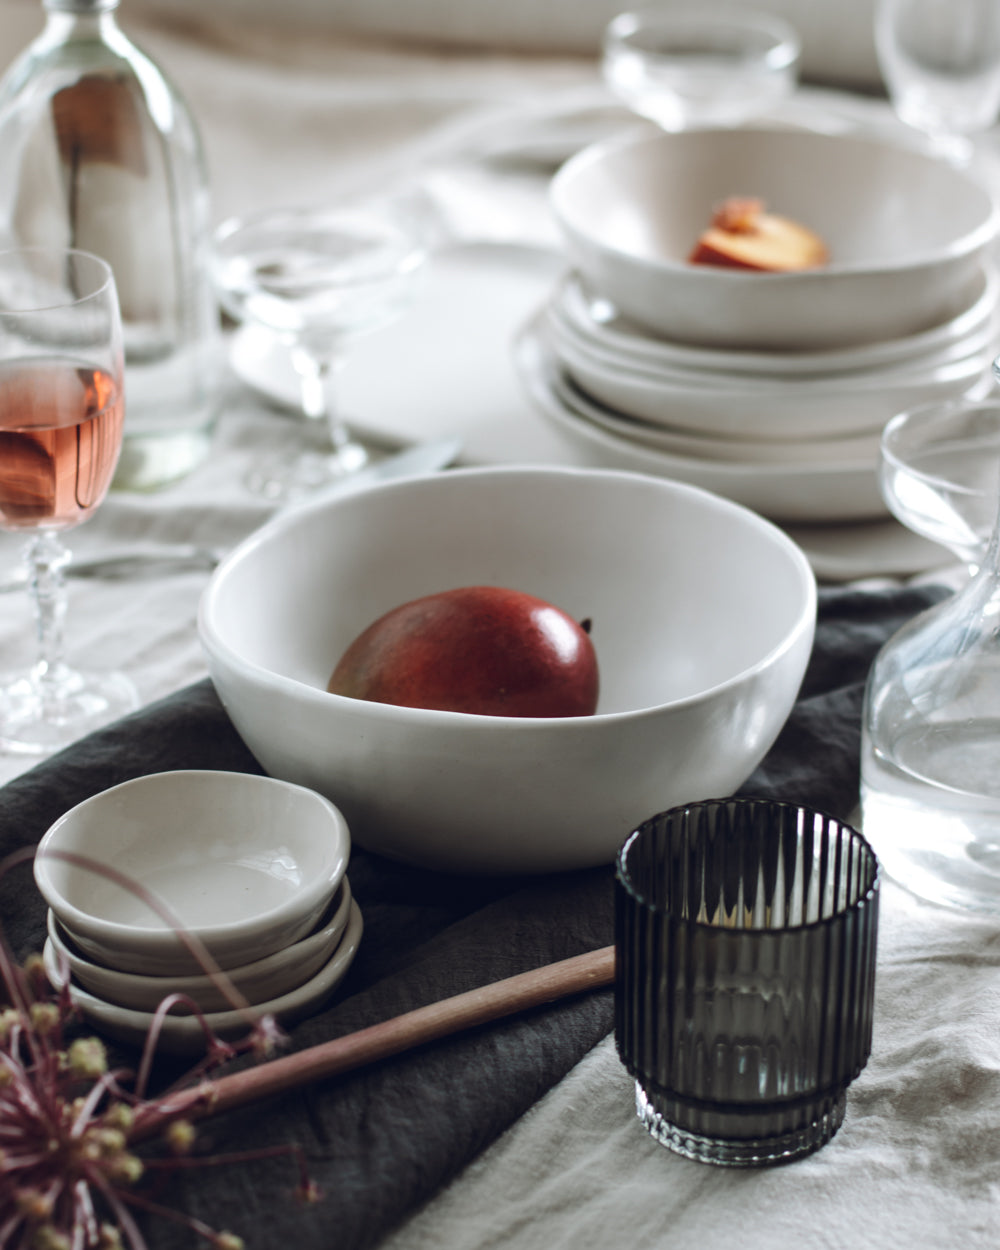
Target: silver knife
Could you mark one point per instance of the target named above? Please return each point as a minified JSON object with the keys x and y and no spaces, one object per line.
{"x":155,"y":559}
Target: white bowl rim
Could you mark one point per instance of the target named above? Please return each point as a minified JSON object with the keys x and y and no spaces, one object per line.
{"x":114,"y":932}
{"x":973,"y":239}
{"x":754,"y":362}
{"x":528,"y":724}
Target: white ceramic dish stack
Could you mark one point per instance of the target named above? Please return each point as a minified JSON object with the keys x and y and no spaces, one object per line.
{"x":741,"y":380}
{"x":252,"y":868}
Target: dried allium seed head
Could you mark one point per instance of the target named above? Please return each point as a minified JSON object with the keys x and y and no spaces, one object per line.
{"x":227,"y":1241}
{"x":87,"y":1059}
{"x":46,"y":1237}
{"x":45,"y":1018}
{"x":119,"y":1115}
{"x":180,"y":1136}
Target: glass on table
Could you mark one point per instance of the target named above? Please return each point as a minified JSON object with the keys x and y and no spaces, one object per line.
{"x":930,"y":730}
{"x":939,"y":473}
{"x":941,"y":64}
{"x":61,"y":417}
{"x":745,"y":945}
{"x":704,"y":66}
{"x":316,"y":278}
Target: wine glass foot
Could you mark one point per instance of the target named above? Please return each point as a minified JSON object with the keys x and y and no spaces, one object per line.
{"x":38,"y":718}
{"x":287,"y":478}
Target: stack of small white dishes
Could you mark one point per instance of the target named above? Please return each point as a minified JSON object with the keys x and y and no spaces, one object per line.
{"x":772,"y":388}
{"x":252,"y":868}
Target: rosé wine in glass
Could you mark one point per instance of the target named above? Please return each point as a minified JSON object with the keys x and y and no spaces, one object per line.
{"x":61,"y":416}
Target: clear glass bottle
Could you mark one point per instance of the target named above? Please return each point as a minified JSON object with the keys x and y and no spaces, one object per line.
{"x":930,"y":748}
{"x":99,"y":152}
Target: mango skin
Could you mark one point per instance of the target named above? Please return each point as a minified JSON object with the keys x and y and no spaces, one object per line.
{"x":484,"y":650}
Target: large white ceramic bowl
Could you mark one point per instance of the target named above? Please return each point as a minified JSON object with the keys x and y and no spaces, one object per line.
{"x":906,"y":234}
{"x":703,"y":618}
{"x":247,"y":864}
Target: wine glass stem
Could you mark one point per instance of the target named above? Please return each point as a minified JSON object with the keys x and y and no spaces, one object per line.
{"x":46,"y":557}
{"x":316,"y":378}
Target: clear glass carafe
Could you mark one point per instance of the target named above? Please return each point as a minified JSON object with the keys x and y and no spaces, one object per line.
{"x":99,"y":152}
{"x":930,"y":748}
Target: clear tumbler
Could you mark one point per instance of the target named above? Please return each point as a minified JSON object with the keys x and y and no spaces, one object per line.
{"x":746,"y":933}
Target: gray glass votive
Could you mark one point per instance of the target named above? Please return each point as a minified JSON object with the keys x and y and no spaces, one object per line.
{"x":745,"y":943}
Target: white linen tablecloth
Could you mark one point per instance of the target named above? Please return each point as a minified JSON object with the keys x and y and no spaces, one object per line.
{"x":917,"y":1161}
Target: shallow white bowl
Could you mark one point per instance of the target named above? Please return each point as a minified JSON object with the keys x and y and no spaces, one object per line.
{"x":247,"y":864}
{"x":906,"y":234}
{"x":828,"y":490}
{"x":790,"y":408}
{"x":276,"y":974}
{"x":184,"y":1034}
{"x":689,"y":704}
{"x":594,"y":324}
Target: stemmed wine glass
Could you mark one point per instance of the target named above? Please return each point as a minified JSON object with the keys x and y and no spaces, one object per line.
{"x":941,"y":64}
{"x":316,"y":278}
{"x":61,"y":414}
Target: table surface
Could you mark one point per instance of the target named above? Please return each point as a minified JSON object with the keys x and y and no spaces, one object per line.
{"x":283,"y":118}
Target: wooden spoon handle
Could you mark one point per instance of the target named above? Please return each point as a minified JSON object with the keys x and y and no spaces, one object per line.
{"x":577,"y":975}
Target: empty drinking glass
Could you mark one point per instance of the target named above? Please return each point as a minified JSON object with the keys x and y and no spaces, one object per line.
{"x":941,"y":64}
{"x":745,"y":945}
{"x":709,"y":66}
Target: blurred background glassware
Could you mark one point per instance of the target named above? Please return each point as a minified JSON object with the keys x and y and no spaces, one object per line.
{"x":61,"y":416}
{"x":317,"y":278}
{"x":745,"y":943}
{"x":701,"y":66}
{"x":930,"y":746}
{"x":939,"y":472}
{"x":941,"y":64}
{"x":98,"y":151}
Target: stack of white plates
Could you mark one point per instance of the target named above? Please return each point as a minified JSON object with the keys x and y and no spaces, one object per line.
{"x":793,"y":434}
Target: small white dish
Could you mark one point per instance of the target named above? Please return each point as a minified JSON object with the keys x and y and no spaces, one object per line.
{"x":184,"y":1034}
{"x":265,"y":979}
{"x":246,"y":863}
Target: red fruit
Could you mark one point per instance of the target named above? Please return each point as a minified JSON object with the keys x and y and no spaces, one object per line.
{"x":479,"y":649}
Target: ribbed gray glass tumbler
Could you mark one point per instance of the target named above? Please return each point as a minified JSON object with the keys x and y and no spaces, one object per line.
{"x":745,"y":939}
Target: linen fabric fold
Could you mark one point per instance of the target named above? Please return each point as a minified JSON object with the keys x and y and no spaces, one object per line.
{"x":381,"y":1141}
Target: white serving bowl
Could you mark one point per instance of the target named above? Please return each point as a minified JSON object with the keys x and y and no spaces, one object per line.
{"x":276,"y":974}
{"x":906,"y":234}
{"x":703,"y":617}
{"x":245,"y":863}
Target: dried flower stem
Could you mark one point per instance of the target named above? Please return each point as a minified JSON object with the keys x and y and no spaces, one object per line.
{"x":590,"y":971}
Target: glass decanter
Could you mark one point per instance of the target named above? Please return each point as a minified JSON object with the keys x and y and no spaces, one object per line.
{"x":99,"y":152}
{"x":930,"y":747}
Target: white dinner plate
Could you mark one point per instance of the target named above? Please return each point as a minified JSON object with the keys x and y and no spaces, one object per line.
{"x":184,"y":1035}
{"x":443,"y":370}
{"x":846,"y":491}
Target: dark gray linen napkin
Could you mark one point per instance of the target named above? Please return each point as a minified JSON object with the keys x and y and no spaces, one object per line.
{"x":381,"y":1141}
